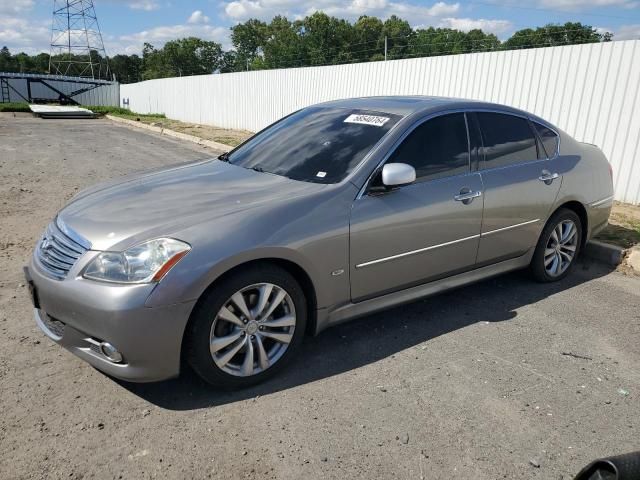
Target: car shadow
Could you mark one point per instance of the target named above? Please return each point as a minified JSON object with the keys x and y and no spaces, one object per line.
{"x":620,"y":235}
{"x":366,"y":340}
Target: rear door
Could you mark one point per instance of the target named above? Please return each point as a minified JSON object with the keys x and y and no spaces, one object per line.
{"x":423,"y":231}
{"x":520,"y":186}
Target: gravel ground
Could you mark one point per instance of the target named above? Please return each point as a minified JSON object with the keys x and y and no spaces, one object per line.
{"x":502,"y":379}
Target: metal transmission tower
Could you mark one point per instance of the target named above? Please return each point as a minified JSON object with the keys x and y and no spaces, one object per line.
{"x":76,"y":42}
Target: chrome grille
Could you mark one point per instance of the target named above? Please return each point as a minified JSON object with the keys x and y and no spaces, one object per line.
{"x":59,"y":250}
{"x":95,"y":348}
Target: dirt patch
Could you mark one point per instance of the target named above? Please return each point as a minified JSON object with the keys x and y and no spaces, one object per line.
{"x":624,"y":226}
{"x":207,"y":132}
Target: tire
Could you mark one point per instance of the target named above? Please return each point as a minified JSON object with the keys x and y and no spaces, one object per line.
{"x":211,"y":327}
{"x":550,"y":253}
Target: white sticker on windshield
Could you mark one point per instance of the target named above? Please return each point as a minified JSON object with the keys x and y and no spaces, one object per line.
{"x":366,"y":119}
{"x":321,"y":174}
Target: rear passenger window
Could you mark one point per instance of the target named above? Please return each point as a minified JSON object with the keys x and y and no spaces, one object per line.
{"x":549,"y":140}
{"x":508,"y":140}
{"x":437,"y":148}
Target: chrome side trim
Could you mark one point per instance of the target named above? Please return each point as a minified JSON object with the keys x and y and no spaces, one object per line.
{"x":600,"y":202}
{"x":413,"y":252}
{"x":498,"y":230}
{"x":433,"y":247}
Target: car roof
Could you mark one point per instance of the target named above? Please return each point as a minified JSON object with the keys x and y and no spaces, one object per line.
{"x":405,"y":105}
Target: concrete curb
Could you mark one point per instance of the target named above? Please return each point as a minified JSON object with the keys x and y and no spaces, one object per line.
{"x":605,"y":252}
{"x":172,"y":133}
{"x":633,"y":258}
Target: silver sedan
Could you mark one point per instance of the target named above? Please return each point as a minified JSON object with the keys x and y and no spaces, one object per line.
{"x":333,"y":212}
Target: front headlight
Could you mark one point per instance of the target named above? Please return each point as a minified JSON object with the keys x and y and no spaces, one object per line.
{"x":144,"y":263}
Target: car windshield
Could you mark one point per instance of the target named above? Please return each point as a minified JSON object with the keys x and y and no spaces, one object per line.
{"x":316,"y":144}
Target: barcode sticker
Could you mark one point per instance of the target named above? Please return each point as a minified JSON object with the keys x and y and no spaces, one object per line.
{"x":366,"y":119}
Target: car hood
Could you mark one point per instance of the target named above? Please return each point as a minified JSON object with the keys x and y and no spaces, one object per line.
{"x":159,"y":203}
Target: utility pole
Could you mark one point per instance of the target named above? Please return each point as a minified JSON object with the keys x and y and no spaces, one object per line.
{"x":385,"y":48}
{"x":76,"y":41}
{"x":247,"y":64}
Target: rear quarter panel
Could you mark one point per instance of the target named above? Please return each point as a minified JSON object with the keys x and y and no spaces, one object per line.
{"x":586,"y":178}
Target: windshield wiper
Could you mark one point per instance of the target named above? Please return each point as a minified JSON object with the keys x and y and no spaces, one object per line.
{"x":224,"y":157}
{"x":257,"y":169}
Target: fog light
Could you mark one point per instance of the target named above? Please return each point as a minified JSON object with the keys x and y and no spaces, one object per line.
{"x":110,"y":352}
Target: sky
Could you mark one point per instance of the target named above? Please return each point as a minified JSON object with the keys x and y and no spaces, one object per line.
{"x":25,"y":25}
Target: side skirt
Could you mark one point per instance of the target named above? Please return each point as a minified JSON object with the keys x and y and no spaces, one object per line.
{"x":327,"y":318}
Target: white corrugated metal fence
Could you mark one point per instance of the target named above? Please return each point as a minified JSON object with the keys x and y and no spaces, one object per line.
{"x":591,"y":91}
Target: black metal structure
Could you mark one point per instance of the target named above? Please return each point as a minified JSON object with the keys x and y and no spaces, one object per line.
{"x":64,"y":98}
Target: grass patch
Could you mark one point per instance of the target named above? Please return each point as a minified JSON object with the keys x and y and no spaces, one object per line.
{"x":14,"y":107}
{"x":122,"y":112}
{"x":225,"y":136}
{"x":624,"y":226}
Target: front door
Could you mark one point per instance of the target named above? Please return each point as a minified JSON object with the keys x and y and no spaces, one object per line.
{"x":520,"y":186}
{"x":423,"y":231}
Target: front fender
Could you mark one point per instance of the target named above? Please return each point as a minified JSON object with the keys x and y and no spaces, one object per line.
{"x":312,"y":233}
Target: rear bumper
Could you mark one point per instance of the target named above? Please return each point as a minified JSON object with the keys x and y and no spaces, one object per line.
{"x":598,"y":215}
{"x":79,"y":314}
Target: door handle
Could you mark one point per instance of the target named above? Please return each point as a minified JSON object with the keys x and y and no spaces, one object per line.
{"x":547,"y":177}
{"x":467,"y":197}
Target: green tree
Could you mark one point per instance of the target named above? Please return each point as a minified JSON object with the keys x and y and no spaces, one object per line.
{"x":368,"y":38}
{"x":153,"y":63}
{"x":399,"y":35}
{"x":186,"y":56}
{"x":326,"y":39}
{"x":228,"y":62}
{"x":7,"y":62}
{"x":126,"y":68}
{"x":282,"y":44}
{"x":192,"y":56}
{"x":317,"y":39}
{"x":248,"y":39}
{"x":555,"y":35}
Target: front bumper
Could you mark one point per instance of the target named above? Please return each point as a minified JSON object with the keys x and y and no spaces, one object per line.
{"x":79,"y":314}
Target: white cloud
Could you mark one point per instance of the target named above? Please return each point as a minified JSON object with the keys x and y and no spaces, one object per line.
{"x":369,"y":4}
{"x":466,"y":24}
{"x":24,"y":35}
{"x":414,"y":12}
{"x":244,"y":9}
{"x":158,"y":36}
{"x":241,"y":10}
{"x":198,"y":17}
{"x":577,"y":4}
{"x":15,"y":6}
{"x":146,"y":5}
{"x":627,"y":32}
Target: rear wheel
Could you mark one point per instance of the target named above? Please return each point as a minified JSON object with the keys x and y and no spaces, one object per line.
{"x":558,"y":247}
{"x":247,"y":328}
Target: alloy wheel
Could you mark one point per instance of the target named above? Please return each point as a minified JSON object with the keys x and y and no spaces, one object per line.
{"x":252,"y":330}
{"x":561,"y":248}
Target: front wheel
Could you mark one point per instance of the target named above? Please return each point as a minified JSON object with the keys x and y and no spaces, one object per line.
{"x":246,"y":328}
{"x":558,"y":247}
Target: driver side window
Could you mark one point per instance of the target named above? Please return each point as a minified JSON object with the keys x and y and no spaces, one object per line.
{"x":437,"y":148}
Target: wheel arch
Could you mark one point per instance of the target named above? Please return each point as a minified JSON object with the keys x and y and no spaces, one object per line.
{"x":294,"y":269}
{"x":579,"y":209}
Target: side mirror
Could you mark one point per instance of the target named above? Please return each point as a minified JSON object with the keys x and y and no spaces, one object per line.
{"x":398,"y":174}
